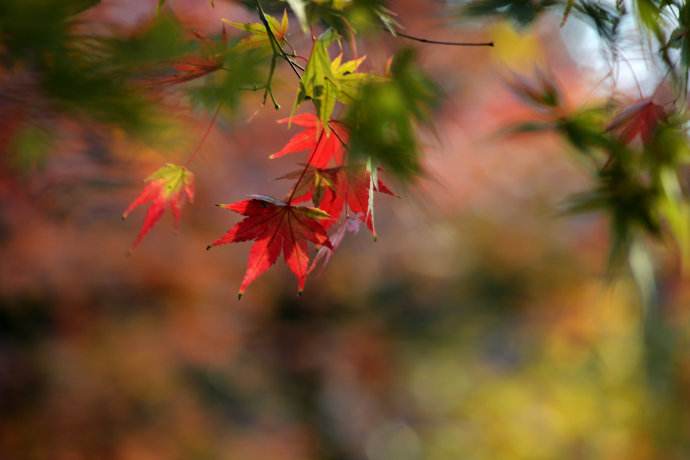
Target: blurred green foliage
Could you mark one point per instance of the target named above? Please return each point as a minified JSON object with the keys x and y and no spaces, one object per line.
{"x":113,"y":79}
{"x":384,"y":119}
{"x":31,"y":28}
{"x":637,"y":154}
{"x":242,"y":70}
{"x":29,"y":148}
{"x":636,"y":157}
{"x":84,"y":75}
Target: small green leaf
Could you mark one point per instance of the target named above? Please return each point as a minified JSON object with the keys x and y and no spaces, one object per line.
{"x":318,"y":82}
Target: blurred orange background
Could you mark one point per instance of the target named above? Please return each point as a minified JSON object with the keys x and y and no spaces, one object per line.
{"x":481,"y":325}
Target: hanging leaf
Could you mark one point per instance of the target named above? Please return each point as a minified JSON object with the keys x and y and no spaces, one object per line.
{"x":318,"y":82}
{"x":275,"y":226}
{"x":171,"y":186}
{"x":324,"y":148}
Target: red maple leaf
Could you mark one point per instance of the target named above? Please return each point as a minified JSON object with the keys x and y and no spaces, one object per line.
{"x":332,"y":188}
{"x":274,"y":226}
{"x":170,"y":186}
{"x":639,"y":119}
{"x":325,"y":146}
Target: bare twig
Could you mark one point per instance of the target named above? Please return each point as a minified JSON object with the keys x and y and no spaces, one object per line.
{"x":440,"y":42}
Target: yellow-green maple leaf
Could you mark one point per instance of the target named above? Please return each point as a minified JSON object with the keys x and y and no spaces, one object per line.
{"x":327,"y":81}
{"x":258,"y":37}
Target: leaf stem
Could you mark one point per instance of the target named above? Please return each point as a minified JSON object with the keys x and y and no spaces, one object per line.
{"x":204,"y":137}
{"x":268,"y":89}
{"x":304,"y":170}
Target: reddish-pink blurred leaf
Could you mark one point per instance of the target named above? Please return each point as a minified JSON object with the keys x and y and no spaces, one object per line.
{"x":351,"y":224}
{"x":639,"y":119}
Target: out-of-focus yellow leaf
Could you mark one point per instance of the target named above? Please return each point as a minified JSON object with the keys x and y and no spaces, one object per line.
{"x":519,"y":50}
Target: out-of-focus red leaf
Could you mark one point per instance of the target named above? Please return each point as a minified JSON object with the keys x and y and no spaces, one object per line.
{"x":639,"y":119}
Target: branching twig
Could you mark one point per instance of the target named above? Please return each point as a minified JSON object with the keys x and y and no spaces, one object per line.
{"x":274,"y":41}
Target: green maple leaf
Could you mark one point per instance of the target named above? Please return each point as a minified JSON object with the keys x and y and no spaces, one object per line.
{"x":326,"y":82}
{"x":319,"y":83}
{"x":348,"y":81}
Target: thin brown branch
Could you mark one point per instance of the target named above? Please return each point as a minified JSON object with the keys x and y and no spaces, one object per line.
{"x":440,"y":42}
{"x":275,"y":44}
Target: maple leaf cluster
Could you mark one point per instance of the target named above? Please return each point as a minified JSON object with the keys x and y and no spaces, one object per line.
{"x":340,"y":192}
{"x":331,"y":192}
